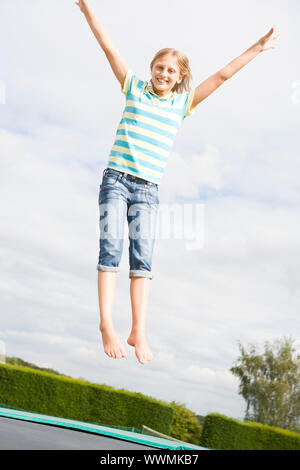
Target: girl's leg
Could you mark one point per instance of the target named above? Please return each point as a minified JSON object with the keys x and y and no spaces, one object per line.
{"x":142,"y":217}
{"x":139,"y":293}
{"x":106,"y":293}
{"x":112,"y":208}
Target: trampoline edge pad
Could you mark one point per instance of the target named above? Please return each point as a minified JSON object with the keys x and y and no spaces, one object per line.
{"x":145,"y":439}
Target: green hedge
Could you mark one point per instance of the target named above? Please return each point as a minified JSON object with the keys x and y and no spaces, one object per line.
{"x":186,"y":426}
{"x":46,"y":393}
{"x":221,"y":432}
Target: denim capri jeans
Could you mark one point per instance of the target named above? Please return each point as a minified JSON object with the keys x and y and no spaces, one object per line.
{"x":124,"y":196}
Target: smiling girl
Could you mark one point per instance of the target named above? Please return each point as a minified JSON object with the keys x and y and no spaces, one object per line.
{"x":153,"y":113}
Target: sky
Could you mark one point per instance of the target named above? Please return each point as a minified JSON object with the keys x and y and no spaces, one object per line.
{"x":236,"y":158}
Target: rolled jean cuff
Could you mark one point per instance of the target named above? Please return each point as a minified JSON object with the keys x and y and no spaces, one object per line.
{"x":100,"y":267}
{"x":140,"y":273}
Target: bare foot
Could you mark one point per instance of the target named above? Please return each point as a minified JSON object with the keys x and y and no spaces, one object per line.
{"x":112,"y":346}
{"x":142,"y":350}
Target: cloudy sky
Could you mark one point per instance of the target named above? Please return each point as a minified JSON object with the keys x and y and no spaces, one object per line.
{"x":237,"y":158}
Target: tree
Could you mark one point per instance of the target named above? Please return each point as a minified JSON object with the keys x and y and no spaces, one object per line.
{"x":270,"y":384}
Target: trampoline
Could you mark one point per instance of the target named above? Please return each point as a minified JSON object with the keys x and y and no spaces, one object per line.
{"x":23,"y":430}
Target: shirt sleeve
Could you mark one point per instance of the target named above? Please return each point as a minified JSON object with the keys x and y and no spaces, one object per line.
{"x":187,"y":111}
{"x":128,"y":82}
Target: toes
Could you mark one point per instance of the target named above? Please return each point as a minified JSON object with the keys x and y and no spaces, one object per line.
{"x":143,"y":358}
{"x":121,"y":353}
{"x":115,"y":352}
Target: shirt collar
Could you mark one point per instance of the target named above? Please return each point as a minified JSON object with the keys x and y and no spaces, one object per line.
{"x":149,"y":89}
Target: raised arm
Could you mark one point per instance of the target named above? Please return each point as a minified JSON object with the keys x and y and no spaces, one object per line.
{"x":213,"y":82}
{"x":117,"y":63}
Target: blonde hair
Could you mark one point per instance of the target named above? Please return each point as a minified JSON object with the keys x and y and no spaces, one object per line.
{"x":183,"y":64}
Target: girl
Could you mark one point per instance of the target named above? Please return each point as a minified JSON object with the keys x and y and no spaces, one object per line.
{"x":129,"y":189}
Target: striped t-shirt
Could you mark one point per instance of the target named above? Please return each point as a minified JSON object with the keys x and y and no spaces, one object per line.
{"x":147,"y":129}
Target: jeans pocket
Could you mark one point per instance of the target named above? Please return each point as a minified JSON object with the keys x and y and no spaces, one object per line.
{"x":152,"y":196}
{"x":110,"y":177}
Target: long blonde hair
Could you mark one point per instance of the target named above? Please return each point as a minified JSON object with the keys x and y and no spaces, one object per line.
{"x":183,"y":64}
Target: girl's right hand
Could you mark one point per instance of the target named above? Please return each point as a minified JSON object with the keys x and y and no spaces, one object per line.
{"x":82,"y":5}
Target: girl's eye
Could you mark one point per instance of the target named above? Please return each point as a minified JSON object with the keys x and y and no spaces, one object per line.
{"x":172,"y":71}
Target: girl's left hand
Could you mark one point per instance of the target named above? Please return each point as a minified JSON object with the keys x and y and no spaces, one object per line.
{"x":266,"y":42}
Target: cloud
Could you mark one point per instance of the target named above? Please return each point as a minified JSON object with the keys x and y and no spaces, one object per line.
{"x":185,"y":174}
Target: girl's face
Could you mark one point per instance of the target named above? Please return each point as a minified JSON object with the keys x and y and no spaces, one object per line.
{"x":165,"y":74}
